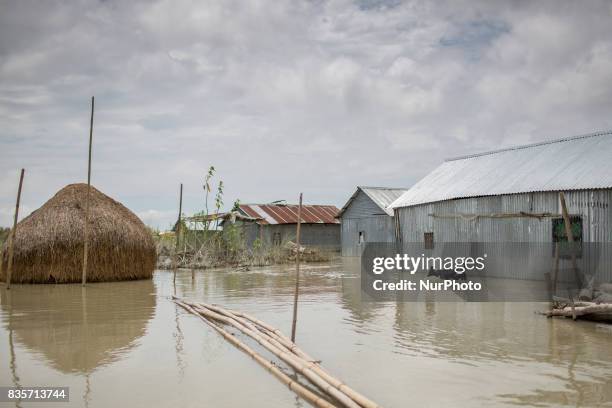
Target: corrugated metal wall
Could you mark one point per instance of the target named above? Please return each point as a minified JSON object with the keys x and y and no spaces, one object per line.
{"x":364,"y":215}
{"x":362,"y":206}
{"x":595,"y":207}
{"x":376,"y":229}
{"x":316,"y":235}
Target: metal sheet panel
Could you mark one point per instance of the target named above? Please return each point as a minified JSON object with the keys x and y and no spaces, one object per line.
{"x":376,"y":229}
{"x":594,"y":206}
{"x":381,"y":196}
{"x":577,"y":163}
{"x":287,"y":214}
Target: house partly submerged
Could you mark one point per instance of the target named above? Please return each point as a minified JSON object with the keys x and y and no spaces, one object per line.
{"x":513,"y":195}
{"x":366,"y":218}
{"x":275,"y":224}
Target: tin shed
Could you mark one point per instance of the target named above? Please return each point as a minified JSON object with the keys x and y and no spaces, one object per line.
{"x":366,"y":218}
{"x":512,"y":195}
{"x":275,"y":224}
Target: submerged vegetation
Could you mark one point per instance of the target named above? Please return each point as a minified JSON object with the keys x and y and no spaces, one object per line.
{"x":207,"y":245}
{"x":200,"y":250}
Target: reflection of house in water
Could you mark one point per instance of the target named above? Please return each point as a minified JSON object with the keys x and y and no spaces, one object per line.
{"x":354,"y":299}
{"x":275,"y":224}
{"x":495,"y":331}
{"x":78,"y":329}
{"x":510,"y":332}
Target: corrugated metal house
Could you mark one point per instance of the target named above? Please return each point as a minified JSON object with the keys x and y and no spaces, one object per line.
{"x":366,"y":218}
{"x":275,"y":224}
{"x":512,"y":195}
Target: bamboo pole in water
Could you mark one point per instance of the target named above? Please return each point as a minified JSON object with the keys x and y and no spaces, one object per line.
{"x":293,"y":361}
{"x":297,"y":271}
{"x":293,"y":385}
{"x":178,"y":232}
{"x":277,"y":334}
{"x":555,"y":275}
{"x":312,"y":363}
{"x":286,"y":351}
{"x":601,"y":310}
{"x":86,"y":245}
{"x":570,"y":240}
{"x":570,"y":237}
{"x":9,"y":268}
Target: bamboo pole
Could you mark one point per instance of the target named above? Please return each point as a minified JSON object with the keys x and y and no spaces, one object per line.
{"x":553,"y":285}
{"x":273,"y":332}
{"x":570,"y":237}
{"x":293,"y":385}
{"x":289,"y":358}
{"x":277,"y":339}
{"x":86,"y":245}
{"x":178,"y":231}
{"x":311,"y":362}
{"x":9,"y":268}
{"x":297,"y":272}
{"x":582,"y":309}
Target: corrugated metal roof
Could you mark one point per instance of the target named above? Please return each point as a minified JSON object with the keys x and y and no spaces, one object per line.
{"x":287,"y":213}
{"x":382,"y":197}
{"x":576,"y":163}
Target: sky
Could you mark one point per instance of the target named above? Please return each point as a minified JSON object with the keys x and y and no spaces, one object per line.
{"x":284,"y":97}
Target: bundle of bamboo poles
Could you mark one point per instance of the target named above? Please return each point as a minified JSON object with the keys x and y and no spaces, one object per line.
{"x":332,"y":392}
{"x":582,"y":310}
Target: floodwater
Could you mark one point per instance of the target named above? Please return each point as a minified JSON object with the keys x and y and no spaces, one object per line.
{"x":127,"y":344}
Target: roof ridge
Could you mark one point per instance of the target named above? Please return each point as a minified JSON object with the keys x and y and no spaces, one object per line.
{"x":383,"y":188}
{"x":286,"y":204}
{"x":526,"y":146}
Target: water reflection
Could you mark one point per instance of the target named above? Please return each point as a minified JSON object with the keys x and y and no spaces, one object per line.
{"x":424,"y":353}
{"x":78,"y":329}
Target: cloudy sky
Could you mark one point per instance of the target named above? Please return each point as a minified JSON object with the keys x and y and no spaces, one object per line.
{"x":285,"y":96}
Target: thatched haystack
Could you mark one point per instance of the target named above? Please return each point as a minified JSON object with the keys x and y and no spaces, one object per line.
{"x":49,"y":243}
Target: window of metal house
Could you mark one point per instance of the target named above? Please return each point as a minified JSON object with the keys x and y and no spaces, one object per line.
{"x":559,"y":235}
{"x":428,"y":239}
{"x":276,"y":238}
{"x":362,"y":237}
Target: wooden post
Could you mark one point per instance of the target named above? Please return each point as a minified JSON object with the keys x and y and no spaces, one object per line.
{"x":570,"y":237}
{"x":86,"y":229}
{"x":297,"y":271}
{"x":555,"y":270}
{"x":178,"y":231}
{"x":9,"y":270}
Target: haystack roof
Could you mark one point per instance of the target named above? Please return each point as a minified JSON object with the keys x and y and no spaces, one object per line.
{"x":49,"y":242}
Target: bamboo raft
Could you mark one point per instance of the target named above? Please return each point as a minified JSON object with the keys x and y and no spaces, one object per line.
{"x":330,"y":392}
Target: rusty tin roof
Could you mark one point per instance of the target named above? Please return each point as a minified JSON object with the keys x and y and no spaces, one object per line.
{"x":287,"y":213}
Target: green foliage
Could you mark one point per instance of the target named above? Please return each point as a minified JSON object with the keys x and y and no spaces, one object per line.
{"x":219,"y":197}
{"x":257,"y":244}
{"x":559,"y":233}
{"x":4,"y":233}
{"x":208,"y":177}
{"x":234,"y":240}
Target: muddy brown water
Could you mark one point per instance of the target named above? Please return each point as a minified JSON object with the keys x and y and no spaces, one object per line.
{"x":127,"y":344}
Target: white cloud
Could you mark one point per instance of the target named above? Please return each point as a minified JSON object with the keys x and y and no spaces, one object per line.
{"x":285,"y":97}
